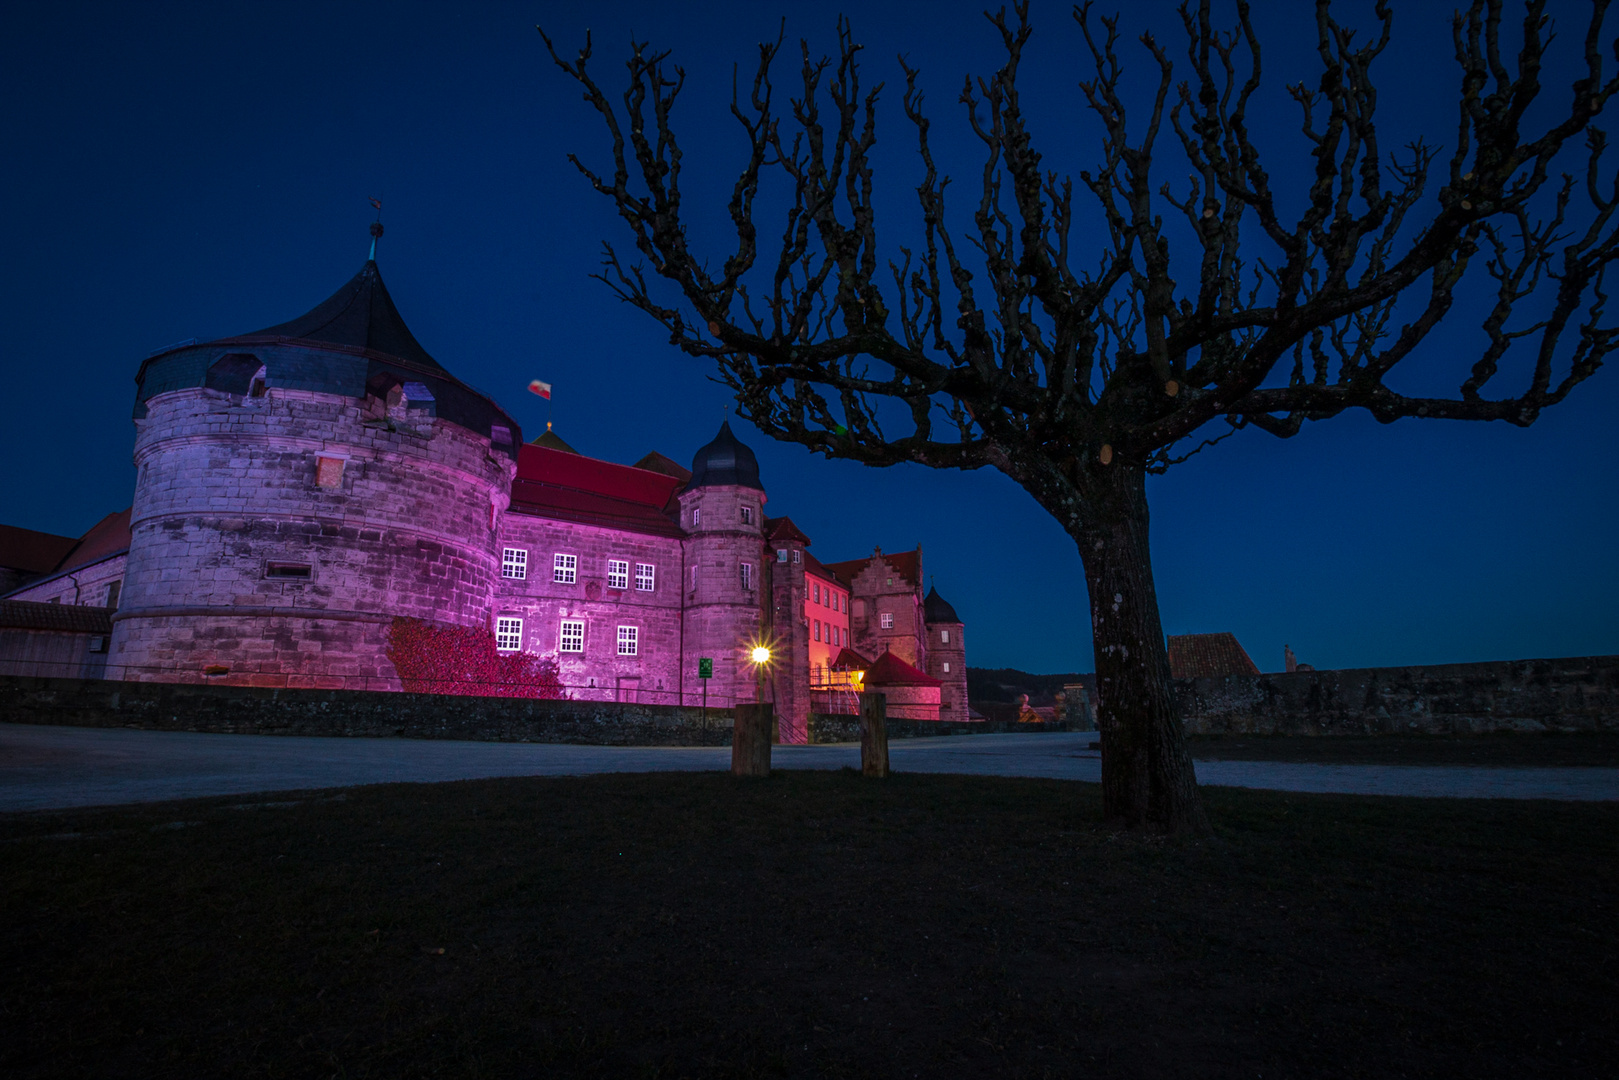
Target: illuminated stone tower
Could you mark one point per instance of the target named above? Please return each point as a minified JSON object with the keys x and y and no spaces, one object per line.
{"x":946,"y":655}
{"x":722,"y":512}
{"x":299,"y":487}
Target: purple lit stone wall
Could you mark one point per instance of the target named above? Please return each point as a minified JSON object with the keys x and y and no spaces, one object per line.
{"x":227,"y":485}
{"x":721,"y":618}
{"x":600,"y":673}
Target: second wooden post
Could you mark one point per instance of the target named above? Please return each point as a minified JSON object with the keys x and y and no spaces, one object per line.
{"x":874,"y":734}
{"x":750,"y":740}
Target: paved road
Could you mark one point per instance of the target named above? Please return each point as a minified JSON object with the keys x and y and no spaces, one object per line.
{"x":57,"y":767}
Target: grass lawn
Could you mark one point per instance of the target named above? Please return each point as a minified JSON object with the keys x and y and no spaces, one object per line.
{"x":815,"y":924}
{"x":1497,"y":748}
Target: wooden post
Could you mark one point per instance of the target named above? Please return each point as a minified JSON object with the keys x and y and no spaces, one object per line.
{"x":874,"y":734}
{"x":750,"y":739}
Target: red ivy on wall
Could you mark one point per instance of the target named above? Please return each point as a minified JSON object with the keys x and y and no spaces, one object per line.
{"x":463,"y":660}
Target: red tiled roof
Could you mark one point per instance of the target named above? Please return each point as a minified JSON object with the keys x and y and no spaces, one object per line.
{"x":849,"y":660}
{"x":32,"y":552}
{"x":68,"y":618}
{"x":815,"y":566}
{"x":907,"y":564}
{"x":106,"y":538}
{"x":572,"y":487}
{"x":1204,"y":656}
{"x":782,"y":528}
{"x":890,"y":670}
{"x":656,"y":462}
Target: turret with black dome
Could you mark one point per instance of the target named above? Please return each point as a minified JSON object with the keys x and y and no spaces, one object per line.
{"x":724,"y":461}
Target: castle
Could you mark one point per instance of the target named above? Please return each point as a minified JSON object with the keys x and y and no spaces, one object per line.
{"x":300,"y":487}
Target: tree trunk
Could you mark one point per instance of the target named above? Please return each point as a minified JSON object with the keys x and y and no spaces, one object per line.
{"x":1147,"y":775}
{"x":750,"y":739}
{"x":874,"y":734}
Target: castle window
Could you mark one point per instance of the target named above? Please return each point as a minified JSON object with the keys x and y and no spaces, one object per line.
{"x":508,"y":634}
{"x":258,"y":388}
{"x":572,"y":636}
{"x":947,"y":667}
{"x":287,"y":570}
{"x":797,"y":556}
{"x":565,"y":569}
{"x":500,"y":435}
{"x":514,"y":563}
{"x":817,"y":629}
{"x":694,"y":579}
{"x":618,"y":574}
{"x":328,"y":471}
{"x":944,"y":636}
{"x":747,"y":515}
{"x":781,"y":554}
{"x":888,"y":620}
{"x":696,"y":516}
{"x":645,"y":576}
{"x":747,"y":575}
{"x":628,"y":640}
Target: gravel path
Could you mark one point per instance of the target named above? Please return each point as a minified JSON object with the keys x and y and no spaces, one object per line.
{"x":56,"y":767}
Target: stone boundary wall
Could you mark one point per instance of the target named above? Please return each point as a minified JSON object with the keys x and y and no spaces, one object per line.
{"x":826,"y":728}
{"x":1568,"y":694}
{"x":253,"y":710}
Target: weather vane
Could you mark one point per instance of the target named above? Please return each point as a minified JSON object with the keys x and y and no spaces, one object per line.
{"x":376,"y":226}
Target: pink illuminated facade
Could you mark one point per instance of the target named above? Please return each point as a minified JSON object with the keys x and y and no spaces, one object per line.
{"x":299,"y":488}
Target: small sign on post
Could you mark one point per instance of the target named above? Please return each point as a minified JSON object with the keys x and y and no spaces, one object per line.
{"x":705,"y":667}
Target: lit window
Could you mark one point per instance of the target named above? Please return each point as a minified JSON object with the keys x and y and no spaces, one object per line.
{"x":817,"y":629}
{"x":618,"y":574}
{"x":628,"y":640}
{"x":781,"y":554}
{"x":888,"y":620}
{"x":817,"y":594}
{"x":572,"y":638}
{"x":837,"y":632}
{"x":947,"y":667}
{"x":508,"y":634}
{"x":565,"y":569}
{"x":328,"y":472}
{"x":645,"y":575}
{"x":696,"y":516}
{"x":797,"y":555}
{"x":747,"y":515}
{"x":514,"y":563}
{"x":747,"y":575}
{"x":944,"y":636}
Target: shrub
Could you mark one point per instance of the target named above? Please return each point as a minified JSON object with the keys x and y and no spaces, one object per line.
{"x":437,"y":659}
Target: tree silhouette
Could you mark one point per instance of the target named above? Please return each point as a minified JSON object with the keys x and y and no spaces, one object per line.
{"x":1073,"y":360}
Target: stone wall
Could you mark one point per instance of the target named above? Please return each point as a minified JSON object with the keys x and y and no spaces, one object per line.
{"x":261,"y":711}
{"x":1569,"y":694}
{"x":827,"y":728}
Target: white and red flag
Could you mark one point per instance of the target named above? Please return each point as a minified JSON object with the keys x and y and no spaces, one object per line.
{"x":541,"y":388}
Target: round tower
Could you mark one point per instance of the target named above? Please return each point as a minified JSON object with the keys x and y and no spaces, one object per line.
{"x":722,"y":512}
{"x":299,"y":487}
{"x":946,"y":655}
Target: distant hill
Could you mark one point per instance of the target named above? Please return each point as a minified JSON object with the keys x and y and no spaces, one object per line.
{"x":1003,"y":685}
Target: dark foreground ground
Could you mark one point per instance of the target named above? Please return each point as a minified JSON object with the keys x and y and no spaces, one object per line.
{"x":814,"y":924}
{"x":1500,"y":748}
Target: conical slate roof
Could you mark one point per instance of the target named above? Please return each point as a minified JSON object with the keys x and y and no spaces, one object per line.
{"x":724,"y":461}
{"x":936,"y":609}
{"x":360,"y":314}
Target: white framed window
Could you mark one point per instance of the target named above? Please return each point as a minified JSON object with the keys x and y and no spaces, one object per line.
{"x":696,"y":516}
{"x":618,"y":573}
{"x":571,"y":638}
{"x":514,"y":563}
{"x":888,"y":620}
{"x":781,"y":554}
{"x":944,"y":637}
{"x":947,"y":667}
{"x":628,"y":640}
{"x":508,"y":634}
{"x":747,"y":575}
{"x":747,"y":515}
{"x":646,"y":575}
{"x":797,"y":556}
{"x":565,"y":569}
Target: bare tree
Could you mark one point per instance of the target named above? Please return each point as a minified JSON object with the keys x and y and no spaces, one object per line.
{"x":1077,"y":364}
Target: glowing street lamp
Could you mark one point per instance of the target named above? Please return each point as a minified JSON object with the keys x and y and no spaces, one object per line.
{"x":761,"y":655}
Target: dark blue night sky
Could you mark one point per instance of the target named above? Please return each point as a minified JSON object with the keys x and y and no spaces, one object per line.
{"x":200,"y":170}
